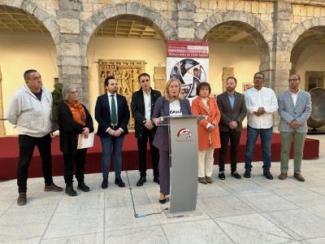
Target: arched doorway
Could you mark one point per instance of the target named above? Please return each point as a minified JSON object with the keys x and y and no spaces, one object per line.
{"x":236,"y":48}
{"x":24,"y":43}
{"x":125,"y":46}
{"x":307,"y":58}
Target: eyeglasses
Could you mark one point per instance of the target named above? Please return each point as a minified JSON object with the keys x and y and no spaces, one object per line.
{"x":72,"y":92}
{"x":258,"y":77}
{"x":294,"y":79}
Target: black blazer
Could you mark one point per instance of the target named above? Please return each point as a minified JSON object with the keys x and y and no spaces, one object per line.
{"x":138,"y":111}
{"x":237,"y":113}
{"x":103,"y":117}
{"x":69,"y":129}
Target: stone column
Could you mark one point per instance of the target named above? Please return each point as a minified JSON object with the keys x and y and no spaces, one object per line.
{"x":69,"y":51}
{"x":281,"y":54}
{"x":185,"y":19}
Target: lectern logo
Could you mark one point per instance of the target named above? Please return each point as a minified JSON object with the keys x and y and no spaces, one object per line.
{"x":184,"y":134}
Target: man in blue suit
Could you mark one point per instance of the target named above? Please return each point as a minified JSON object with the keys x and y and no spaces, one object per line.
{"x":113,"y":115}
{"x":294,"y":109}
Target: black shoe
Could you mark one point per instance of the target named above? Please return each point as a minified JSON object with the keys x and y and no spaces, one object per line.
{"x":247,"y":173}
{"x":83,"y":187}
{"x":70,"y":191}
{"x":163,"y":201}
{"x":267,"y":174}
{"x":104,"y":184}
{"x":236,"y":175}
{"x":119,"y":182}
{"x":141,"y":181}
{"x":222,"y":176}
{"x":156,"y":179}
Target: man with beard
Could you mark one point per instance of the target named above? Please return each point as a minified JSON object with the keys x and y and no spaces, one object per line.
{"x":112,"y":114}
{"x":233,"y":111}
{"x":261,"y":103}
{"x":294,"y":109}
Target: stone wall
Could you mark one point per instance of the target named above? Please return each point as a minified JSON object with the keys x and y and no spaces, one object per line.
{"x":277,"y":26}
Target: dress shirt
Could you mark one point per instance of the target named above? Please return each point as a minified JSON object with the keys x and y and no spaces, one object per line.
{"x":110,"y":97}
{"x":231,"y":98}
{"x":266,"y":98}
{"x":147,"y":105}
{"x":294,"y":97}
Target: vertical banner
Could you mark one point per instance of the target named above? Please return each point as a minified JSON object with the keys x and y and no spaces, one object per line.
{"x":188,"y":61}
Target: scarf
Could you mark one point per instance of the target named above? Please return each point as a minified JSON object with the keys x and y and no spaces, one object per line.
{"x":78,"y":112}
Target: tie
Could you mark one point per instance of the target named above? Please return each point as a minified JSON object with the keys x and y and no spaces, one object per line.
{"x":113,"y":111}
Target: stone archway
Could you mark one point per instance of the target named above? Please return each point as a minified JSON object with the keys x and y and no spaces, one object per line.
{"x":89,"y":26}
{"x":262,"y":35}
{"x":299,"y":38}
{"x":302,"y":28}
{"x":49,"y":21}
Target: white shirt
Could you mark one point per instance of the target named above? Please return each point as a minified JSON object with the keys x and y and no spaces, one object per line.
{"x":110,"y":107}
{"x":175,"y":108}
{"x":147,"y":105}
{"x":294,"y":97}
{"x":265,"y":98}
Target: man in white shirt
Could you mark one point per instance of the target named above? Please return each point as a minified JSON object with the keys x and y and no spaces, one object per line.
{"x":142,"y":104}
{"x":294,"y":109}
{"x":261,"y":103}
{"x":30,"y":111}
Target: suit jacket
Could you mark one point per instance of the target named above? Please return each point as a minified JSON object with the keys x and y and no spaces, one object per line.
{"x":69,"y":129}
{"x":213,"y":117}
{"x":237,"y":113}
{"x":161,"y":140}
{"x":138,"y":109}
{"x":288,"y":112}
{"x":103,"y":117}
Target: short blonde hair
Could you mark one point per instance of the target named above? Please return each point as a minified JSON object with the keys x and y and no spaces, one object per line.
{"x":168,"y":83}
{"x":67,"y":88}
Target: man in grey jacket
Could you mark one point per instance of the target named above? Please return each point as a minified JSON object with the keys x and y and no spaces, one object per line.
{"x":30,"y":111}
{"x":294,"y":109}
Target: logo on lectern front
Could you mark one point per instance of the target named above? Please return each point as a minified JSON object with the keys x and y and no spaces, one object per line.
{"x":184,"y":134}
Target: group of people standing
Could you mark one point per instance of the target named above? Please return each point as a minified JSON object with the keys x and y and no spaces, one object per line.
{"x":30,"y":111}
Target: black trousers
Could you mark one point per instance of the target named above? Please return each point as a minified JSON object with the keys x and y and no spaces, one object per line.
{"x":74,"y":163}
{"x":234,"y":137}
{"x":142,"y":148}
{"x":26,"y":149}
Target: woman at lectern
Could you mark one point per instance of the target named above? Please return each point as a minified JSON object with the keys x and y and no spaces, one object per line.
{"x":74,"y":119}
{"x":171,"y":104}
{"x":208,"y":130}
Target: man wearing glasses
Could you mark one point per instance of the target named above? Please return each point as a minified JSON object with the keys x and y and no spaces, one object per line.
{"x":261,"y":103}
{"x":142,"y":105}
{"x":294,"y":109}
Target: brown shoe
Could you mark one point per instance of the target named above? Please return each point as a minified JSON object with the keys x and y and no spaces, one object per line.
{"x":22,"y":199}
{"x":283,"y":176}
{"x":53,"y":187}
{"x":208,"y":179}
{"x":202,"y":180}
{"x":299,"y":177}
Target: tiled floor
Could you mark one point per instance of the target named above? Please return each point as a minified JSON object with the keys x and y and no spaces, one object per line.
{"x":252,"y":210}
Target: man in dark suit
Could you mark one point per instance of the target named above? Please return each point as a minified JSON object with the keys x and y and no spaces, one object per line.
{"x":233,"y":110}
{"x":142,"y":105}
{"x":112,"y":114}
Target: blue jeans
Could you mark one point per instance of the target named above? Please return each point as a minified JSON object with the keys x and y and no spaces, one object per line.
{"x":266,"y":136}
{"x":110,"y":144}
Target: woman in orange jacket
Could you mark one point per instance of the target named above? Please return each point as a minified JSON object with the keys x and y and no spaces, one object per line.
{"x":208,"y":130}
